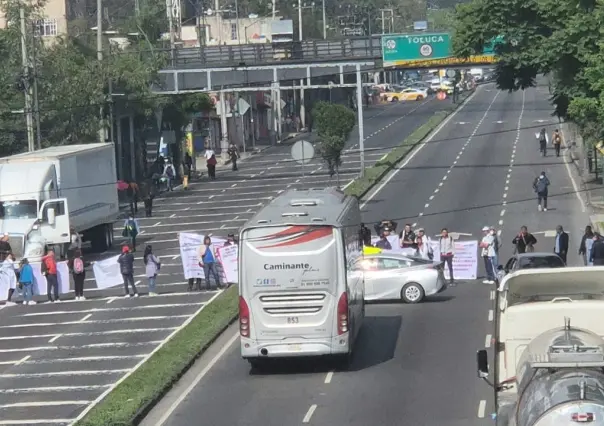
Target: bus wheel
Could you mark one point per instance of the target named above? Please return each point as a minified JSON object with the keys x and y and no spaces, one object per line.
{"x":344,"y":361}
{"x":256,"y":365}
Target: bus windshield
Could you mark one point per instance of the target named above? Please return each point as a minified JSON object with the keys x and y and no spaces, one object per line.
{"x":18,"y":209}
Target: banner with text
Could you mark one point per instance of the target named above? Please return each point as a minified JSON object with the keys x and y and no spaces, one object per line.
{"x":228,"y":257}
{"x":189,"y":253}
{"x":107,"y":273}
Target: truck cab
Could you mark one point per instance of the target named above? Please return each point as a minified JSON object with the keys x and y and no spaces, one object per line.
{"x":31,"y":212}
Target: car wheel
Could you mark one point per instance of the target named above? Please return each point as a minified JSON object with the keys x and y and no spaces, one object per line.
{"x":419,"y":98}
{"x":412,"y":293}
{"x":394,"y":99}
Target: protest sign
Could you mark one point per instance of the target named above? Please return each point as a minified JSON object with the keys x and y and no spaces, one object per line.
{"x":107,"y":273}
{"x":40,"y":285}
{"x":465,"y":261}
{"x":228,"y":257}
{"x":189,"y":253}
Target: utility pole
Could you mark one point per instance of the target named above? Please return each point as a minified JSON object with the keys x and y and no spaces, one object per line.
{"x":324,"y":23}
{"x":383,"y":29}
{"x":300,"y":19}
{"x":27,"y":87}
{"x":274,"y":8}
{"x":99,"y":56}
{"x":360,"y":118}
{"x":172,"y":31}
{"x":36,"y":100}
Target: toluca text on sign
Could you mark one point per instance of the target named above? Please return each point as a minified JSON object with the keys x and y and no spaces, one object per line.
{"x":479,"y":59}
{"x":425,"y":39}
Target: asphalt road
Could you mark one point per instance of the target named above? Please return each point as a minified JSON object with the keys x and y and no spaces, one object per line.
{"x":57,"y":360}
{"x":414,"y":364}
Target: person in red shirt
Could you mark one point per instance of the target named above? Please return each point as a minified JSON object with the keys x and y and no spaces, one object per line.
{"x":49,"y":270}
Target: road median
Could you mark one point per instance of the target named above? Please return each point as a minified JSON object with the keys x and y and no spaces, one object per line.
{"x":360,"y":186}
{"x":136,"y":395}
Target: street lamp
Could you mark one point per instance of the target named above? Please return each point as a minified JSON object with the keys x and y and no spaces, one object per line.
{"x":311,"y":6}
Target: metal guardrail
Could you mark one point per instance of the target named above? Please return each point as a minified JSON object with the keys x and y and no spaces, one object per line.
{"x":266,"y":54}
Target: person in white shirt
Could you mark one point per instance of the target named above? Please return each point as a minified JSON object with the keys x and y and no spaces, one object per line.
{"x":7,"y":269}
{"x":169,"y":174}
{"x":487,"y":246}
{"x":446,"y":247}
{"x":423,"y":244}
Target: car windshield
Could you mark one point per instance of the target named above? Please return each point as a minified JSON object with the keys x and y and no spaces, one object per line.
{"x":538,"y":262}
{"x":20,"y":209}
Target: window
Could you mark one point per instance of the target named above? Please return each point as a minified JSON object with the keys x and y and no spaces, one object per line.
{"x":386,"y":263}
{"x":233,"y":31}
{"x":46,"y":27}
{"x":540,"y":262}
{"x":510,"y":265}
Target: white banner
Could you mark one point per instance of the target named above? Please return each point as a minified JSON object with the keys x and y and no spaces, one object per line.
{"x":228,"y":258}
{"x":5,"y":281}
{"x":107,"y":273}
{"x":40,"y":280}
{"x":465,"y":261}
{"x":189,"y":253}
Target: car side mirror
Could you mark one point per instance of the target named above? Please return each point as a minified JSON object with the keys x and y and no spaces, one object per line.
{"x":482,"y":363}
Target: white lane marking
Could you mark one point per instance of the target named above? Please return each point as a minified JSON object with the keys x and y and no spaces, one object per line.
{"x":43,"y":404}
{"x":54,"y":339}
{"x":142,"y":361}
{"x":90,"y":346}
{"x":329,"y":377}
{"x":83,"y":359}
{"x":414,"y":225}
{"x":309,"y":413}
{"x":37,"y":422}
{"x":492,"y":295}
{"x":22,"y":360}
{"x":129,"y":308}
{"x":83,"y":319}
{"x":482,"y":406}
{"x":572,"y":179}
{"x":502,"y":212}
{"x":487,"y":341}
{"x":414,"y":153}
{"x":499,"y":232}
{"x":52,"y":389}
{"x":198,"y":379}
{"x":111,"y":300}
{"x":93,"y":333}
{"x":445,"y":176}
{"x":426,"y":205}
{"x":431,"y":197}
{"x":500,"y":222}
{"x":155,"y":224}
{"x":210,"y":197}
{"x":176,"y":256}
{"x":490,"y":315}
{"x":63,"y":373}
{"x":440,"y":184}
{"x":233,"y":185}
{"x":172,"y":215}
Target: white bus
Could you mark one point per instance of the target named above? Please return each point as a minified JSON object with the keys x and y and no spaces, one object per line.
{"x":299,"y":296}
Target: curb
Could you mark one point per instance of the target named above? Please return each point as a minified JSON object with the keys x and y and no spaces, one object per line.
{"x":149,"y":406}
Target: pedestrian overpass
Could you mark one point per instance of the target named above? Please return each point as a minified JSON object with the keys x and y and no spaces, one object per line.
{"x":211,"y":68}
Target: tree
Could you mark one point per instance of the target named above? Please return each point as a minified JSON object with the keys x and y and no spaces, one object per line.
{"x":441,"y":19}
{"x":334,"y":123}
{"x":536,"y":37}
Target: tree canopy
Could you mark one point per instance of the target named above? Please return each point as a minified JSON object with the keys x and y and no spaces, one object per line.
{"x":72,"y":85}
{"x":561,"y":39}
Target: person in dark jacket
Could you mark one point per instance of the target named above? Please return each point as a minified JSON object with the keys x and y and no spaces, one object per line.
{"x":543,"y":142}
{"x":586,"y":244}
{"x":597,"y":251}
{"x":390,"y":225}
{"x":365,"y":236}
{"x":524,"y":242}
{"x":407,"y":237}
{"x":540,"y":185}
{"x":231,"y":241}
{"x":189,"y":164}
{"x":561,"y":244}
{"x":126,"y":262}
{"x":233,"y":154}
{"x":383,"y":243}
{"x":5,"y":247}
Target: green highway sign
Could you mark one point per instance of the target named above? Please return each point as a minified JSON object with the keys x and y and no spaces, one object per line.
{"x":426,"y":50}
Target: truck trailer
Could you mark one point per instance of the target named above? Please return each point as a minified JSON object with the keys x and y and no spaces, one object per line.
{"x":549,"y":350}
{"x":44,"y":193}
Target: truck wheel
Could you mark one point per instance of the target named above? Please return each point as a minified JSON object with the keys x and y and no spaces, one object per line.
{"x":101,"y":240}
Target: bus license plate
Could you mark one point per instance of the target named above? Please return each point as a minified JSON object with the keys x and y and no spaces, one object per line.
{"x":295,"y":348}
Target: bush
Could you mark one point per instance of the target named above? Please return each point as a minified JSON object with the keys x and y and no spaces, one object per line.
{"x":132,"y":398}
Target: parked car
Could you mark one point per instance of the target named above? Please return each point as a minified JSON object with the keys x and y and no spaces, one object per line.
{"x":393,"y":276}
{"x":406,"y":95}
{"x":531,"y":261}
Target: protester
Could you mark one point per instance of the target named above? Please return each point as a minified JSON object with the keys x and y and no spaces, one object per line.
{"x":126,"y":262}
{"x":383,"y":242}
{"x":169,"y":174}
{"x":26,"y":279}
{"x":389,"y":224}
{"x":407,"y":237}
{"x":524,"y":242}
{"x":542,"y":137}
{"x":8,"y":268}
{"x":211,"y":164}
{"x":488,"y":254}
{"x":208,"y":261}
{"x":365,"y":236}
{"x":152,"y":267}
{"x":197,"y":282}
{"x":423,"y":243}
{"x":75,"y":242}
{"x":233,"y":154}
{"x":597,"y":251}
{"x":5,"y":247}
{"x":133,"y":194}
{"x":446,"y":247}
{"x":131,"y":230}
{"x":77,"y":267}
{"x":561,"y":246}
{"x":148,"y":193}
{"x":189,"y":165}
{"x":231,"y":241}
{"x":557,"y":141}
{"x":540,"y":185}
{"x":183,"y":170}
{"x":49,"y":270}
{"x":587,"y":242}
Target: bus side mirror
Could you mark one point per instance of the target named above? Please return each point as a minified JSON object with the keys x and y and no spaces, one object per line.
{"x":482,"y":363}
{"x":51,"y":216}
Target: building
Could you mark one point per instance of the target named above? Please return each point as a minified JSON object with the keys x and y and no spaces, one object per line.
{"x":216,"y":30}
{"x":53,"y":23}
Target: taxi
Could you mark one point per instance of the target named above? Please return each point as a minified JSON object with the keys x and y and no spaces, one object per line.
{"x":409,"y":94}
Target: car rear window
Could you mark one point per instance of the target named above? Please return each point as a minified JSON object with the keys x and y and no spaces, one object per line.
{"x":540,"y":262}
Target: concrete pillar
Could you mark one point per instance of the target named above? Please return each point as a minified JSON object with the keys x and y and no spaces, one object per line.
{"x":224,"y":141}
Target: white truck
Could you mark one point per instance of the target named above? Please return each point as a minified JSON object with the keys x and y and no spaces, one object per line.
{"x":549,"y":350}
{"x":44,"y":193}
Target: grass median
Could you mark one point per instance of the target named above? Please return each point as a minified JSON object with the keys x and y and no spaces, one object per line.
{"x":361,"y":186}
{"x":130,"y":400}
